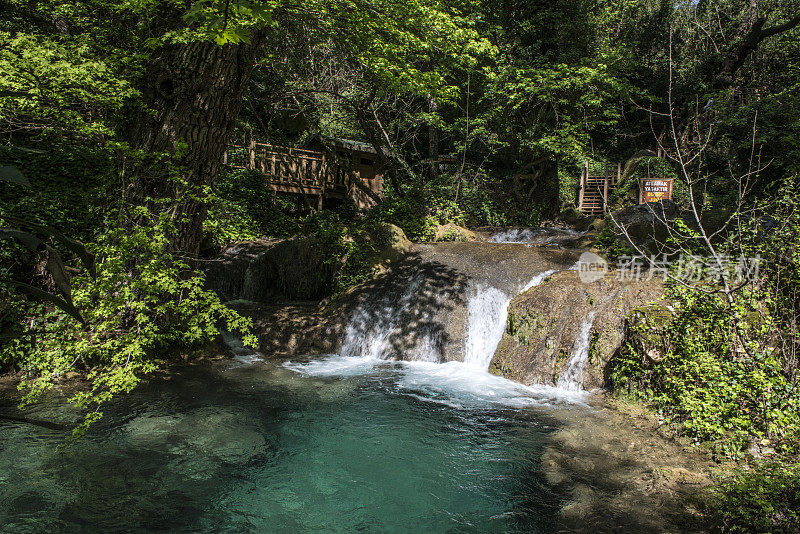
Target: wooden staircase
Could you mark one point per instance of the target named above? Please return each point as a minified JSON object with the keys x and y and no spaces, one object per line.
{"x":595,"y":188}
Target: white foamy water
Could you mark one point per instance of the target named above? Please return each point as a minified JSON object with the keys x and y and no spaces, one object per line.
{"x":456,"y":384}
{"x":538,"y":279}
{"x":335,"y":365}
{"x":427,"y":347}
{"x":572,"y":377}
{"x":369,"y":329}
{"x":513,"y":235}
{"x":487,"y":314}
{"x":461,"y":385}
{"x":540,"y":236}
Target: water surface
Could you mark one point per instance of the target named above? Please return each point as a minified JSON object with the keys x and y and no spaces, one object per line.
{"x":264,"y":448}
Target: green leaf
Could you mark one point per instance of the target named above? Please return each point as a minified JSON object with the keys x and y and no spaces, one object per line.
{"x":40,"y":294}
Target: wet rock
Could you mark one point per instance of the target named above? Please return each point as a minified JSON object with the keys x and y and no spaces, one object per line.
{"x":544,"y":325}
{"x":296,"y":269}
{"x":199,"y":434}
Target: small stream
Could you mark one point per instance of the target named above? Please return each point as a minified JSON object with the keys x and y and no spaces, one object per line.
{"x":403,"y":430}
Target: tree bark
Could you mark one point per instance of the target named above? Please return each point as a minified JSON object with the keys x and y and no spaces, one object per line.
{"x":194,"y":92}
{"x":433,"y":140}
{"x":749,"y":35}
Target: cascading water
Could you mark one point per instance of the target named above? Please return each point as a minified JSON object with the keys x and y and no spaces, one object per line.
{"x":538,"y":279}
{"x":438,"y":323}
{"x":513,"y":235}
{"x":369,"y":331}
{"x":487,"y":313}
{"x":535,"y":236}
{"x":572,"y":377}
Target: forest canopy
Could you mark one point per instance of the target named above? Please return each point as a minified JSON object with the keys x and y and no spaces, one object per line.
{"x":116,"y":117}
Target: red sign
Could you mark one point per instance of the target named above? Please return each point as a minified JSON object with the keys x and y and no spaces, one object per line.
{"x":655,"y":189}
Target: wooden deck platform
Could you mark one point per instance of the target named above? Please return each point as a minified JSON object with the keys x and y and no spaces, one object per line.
{"x":309,"y":173}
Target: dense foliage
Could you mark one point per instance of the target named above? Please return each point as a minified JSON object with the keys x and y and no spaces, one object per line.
{"x":118,"y":113}
{"x":765,"y":499}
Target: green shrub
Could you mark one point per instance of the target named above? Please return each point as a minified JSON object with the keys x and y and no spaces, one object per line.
{"x":763,"y":499}
{"x":608,"y":242}
{"x":143,"y":301}
{"x":242,"y":208}
{"x":691,"y":367}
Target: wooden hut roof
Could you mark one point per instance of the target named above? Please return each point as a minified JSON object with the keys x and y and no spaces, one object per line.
{"x":345,"y":144}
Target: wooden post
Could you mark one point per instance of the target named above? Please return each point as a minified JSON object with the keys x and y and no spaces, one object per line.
{"x":584,"y":181}
{"x":252,"y":150}
{"x":606,"y":179}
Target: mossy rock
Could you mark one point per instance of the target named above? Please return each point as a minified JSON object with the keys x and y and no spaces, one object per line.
{"x":544,"y":324}
{"x":453,"y":232}
{"x":390,"y":241}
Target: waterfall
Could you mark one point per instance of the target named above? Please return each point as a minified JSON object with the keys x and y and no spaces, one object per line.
{"x":371,"y":326}
{"x":572,"y":378}
{"x":487,"y":313}
{"x":424,"y":323}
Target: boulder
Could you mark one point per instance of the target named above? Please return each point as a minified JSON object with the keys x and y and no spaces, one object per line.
{"x":226,"y":273}
{"x":294,"y":269}
{"x":645,"y":224}
{"x":544,"y":324}
{"x":269,"y":270}
{"x":390,"y":241}
{"x":453,"y":232}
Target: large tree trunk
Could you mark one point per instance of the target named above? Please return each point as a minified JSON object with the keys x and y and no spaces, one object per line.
{"x":195,"y":91}
{"x":748,"y":37}
{"x":433,"y":140}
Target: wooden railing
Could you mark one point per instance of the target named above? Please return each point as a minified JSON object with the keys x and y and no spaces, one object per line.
{"x":289,"y":167}
{"x":595,"y":188}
